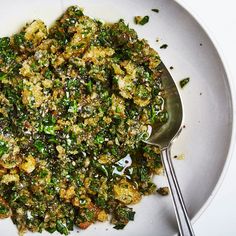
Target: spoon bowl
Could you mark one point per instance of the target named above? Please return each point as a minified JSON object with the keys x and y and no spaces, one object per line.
{"x":163,"y":135}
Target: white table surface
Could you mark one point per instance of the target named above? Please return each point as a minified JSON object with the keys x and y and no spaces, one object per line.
{"x":218,"y":17}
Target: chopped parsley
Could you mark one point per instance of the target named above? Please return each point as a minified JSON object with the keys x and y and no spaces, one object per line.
{"x":139,"y":20}
{"x":156,"y":10}
{"x":3,"y":148}
{"x":164,"y":46}
{"x":184,"y":82}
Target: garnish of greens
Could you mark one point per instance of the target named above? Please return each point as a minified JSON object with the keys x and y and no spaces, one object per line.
{"x":184,"y":82}
{"x":76,"y":102}
{"x":156,"y":10}
{"x":164,"y":46}
{"x":141,"y":20}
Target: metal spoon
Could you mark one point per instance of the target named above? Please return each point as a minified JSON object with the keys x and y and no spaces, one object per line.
{"x":163,"y":139}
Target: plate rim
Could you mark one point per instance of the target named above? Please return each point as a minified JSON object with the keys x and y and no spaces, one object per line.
{"x":232,"y":102}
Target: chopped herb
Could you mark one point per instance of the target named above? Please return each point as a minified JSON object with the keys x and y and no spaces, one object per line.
{"x":3,"y":148}
{"x":49,"y":129}
{"x":163,"y":116}
{"x":122,"y":216}
{"x":119,"y":226}
{"x":164,"y":46}
{"x":48,"y":74}
{"x":19,"y":39}
{"x":40,"y":146}
{"x":61,"y":228}
{"x":156,"y":10}
{"x":99,"y":139}
{"x":79,"y":12}
{"x":73,"y":107}
{"x":51,"y":230}
{"x":3,"y":210}
{"x":43,"y":174}
{"x":184,"y":82}
{"x":4,"y":43}
{"x":2,"y":76}
{"x":144,"y":175}
{"x":90,"y":86}
{"x":139,"y":20}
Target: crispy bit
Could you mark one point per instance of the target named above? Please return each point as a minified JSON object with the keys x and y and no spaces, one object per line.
{"x":126,"y":192}
{"x":102,"y":216}
{"x":9,"y":178}
{"x":2,"y":171}
{"x":29,"y":165}
{"x":36,"y":32}
{"x":164,"y":191}
{"x":118,"y":106}
{"x":61,"y":151}
{"x":33,"y":96}
{"x":84,"y":225}
{"x":68,"y":193}
{"x":106,"y":159}
{"x":10,"y":157}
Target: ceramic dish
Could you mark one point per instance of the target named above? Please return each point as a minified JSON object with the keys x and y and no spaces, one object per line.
{"x":207,"y":101}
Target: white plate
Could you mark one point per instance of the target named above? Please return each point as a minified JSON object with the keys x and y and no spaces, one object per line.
{"x":208,"y":117}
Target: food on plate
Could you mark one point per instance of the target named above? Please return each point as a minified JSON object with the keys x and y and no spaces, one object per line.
{"x":156,"y":10}
{"x":164,"y":46}
{"x":141,"y":20}
{"x":76,"y":102}
{"x":164,"y":191}
{"x":184,"y":82}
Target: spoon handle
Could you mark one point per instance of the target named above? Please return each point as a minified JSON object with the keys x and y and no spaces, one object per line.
{"x":184,"y":224}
